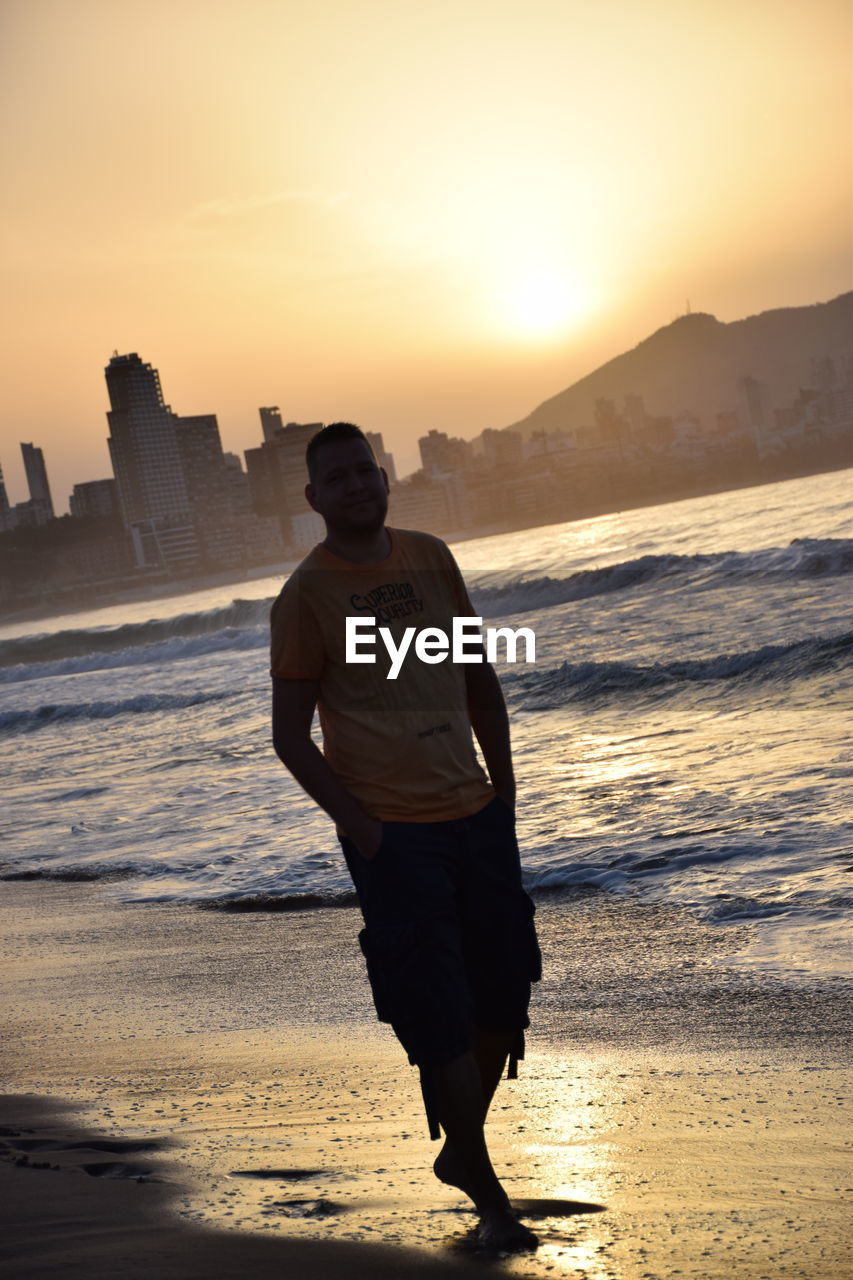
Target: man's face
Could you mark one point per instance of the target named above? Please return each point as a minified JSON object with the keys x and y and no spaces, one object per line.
{"x":349,"y":490}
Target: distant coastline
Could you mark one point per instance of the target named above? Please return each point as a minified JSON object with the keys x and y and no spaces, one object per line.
{"x":83,"y":600}
{"x":697,"y":408}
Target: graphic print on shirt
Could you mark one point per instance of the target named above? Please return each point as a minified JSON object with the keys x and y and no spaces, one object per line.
{"x":389,"y":601}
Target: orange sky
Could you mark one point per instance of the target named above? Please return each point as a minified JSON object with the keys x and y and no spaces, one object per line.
{"x":411,"y":216}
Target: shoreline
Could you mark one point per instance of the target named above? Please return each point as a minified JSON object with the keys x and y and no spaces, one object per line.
{"x":698,"y":1106}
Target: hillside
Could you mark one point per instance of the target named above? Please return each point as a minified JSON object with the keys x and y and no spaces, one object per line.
{"x":694,"y":364}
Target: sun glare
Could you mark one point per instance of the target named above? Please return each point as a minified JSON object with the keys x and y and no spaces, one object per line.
{"x":540,"y":302}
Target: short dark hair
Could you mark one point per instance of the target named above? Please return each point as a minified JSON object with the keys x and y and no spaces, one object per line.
{"x":332,"y":433}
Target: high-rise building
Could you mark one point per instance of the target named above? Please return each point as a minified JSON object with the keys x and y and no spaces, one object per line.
{"x":502,"y":446}
{"x":94,"y":498}
{"x":270,"y":422}
{"x":177,"y":489}
{"x":755,"y":407}
{"x":262,"y":475}
{"x":203,"y":464}
{"x":383,"y":457}
{"x":277,"y":474}
{"x":290,"y":445}
{"x":443,"y":453}
{"x":635,"y":412}
{"x":42,"y":503}
{"x":754,"y":397}
{"x":5,"y":510}
{"x":239,"y":499}
{"x":824,"y":373}
{"x":143,"y":444}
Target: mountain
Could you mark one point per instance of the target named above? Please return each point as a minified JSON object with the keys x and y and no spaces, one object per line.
{"x":694,"y":364}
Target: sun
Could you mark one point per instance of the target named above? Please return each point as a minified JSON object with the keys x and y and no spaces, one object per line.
{"x":539,"y":302}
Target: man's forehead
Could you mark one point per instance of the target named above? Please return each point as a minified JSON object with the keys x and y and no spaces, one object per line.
{"x":342,"y":453}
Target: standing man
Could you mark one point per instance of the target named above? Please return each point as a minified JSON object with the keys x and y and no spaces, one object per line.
{"x":429,"y":839}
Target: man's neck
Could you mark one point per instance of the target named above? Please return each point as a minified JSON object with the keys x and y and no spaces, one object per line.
{"x":368,"y":549}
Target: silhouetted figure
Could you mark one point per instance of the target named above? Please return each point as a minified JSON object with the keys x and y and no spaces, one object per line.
{"x":429,"y":839}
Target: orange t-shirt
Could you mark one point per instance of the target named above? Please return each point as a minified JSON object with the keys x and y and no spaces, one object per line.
{"x":403,"y":747}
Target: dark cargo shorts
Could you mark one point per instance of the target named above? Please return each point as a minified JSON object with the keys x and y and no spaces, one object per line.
{"x":449,"y":938}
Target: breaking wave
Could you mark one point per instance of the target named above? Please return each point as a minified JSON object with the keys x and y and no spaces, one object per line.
{"x":29,"y":721}
{"x":582,"y":681}
{"x":60,"y":646}
{"x":804,"y":558}
{"x":244,"y":623}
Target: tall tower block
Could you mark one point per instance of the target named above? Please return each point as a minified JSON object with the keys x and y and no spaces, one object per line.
{"x":143,"y":443}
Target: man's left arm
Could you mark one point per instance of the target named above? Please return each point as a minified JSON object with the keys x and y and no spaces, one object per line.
{"x":490,"y":722}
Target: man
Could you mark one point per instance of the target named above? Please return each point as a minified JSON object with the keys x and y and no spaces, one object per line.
{"x":429,"y":839}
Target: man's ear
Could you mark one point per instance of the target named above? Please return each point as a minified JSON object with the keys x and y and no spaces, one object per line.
{"x":384,"y":475}
{"x":309,"y":494}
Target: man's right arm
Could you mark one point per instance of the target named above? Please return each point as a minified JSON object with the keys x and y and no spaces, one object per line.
{"x":293,"y":705}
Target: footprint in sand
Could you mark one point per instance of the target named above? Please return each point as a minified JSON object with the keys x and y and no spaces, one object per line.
{"x":20,"y":1149}
{"x":316,"y":1207}
{"x":308,"y":1208}
{"x":115,"y":1146}
{"x":554,"y":1208}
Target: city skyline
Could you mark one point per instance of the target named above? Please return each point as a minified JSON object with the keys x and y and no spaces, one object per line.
{"x":179,"y":507}
{"x":415,"y":221}
{"x":173,"y":466}
{"x":270,"y":417}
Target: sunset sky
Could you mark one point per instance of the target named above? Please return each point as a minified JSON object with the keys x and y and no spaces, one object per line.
{"x":407,"y":215}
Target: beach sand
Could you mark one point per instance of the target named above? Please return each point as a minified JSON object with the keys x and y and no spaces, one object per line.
{"x":197,"y":1093}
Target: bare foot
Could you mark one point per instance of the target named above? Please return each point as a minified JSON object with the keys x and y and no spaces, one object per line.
{"x":500,"y":1231}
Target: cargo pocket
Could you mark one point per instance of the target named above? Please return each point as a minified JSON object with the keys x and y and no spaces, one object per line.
{"x":524,"y":960}
{"x":502,"y":960}
{"x":390,"y":953}
{"x":531,"y":942}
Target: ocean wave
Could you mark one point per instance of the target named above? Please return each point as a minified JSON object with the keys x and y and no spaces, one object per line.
{"x":243,"y":624}
{"x":70,"y":875}
{"x":251,"y":902}
{"x":495,"y":594}
{"x":49,"y":714}
{"x":161,"y":654}
{"x":523,"y":594}
{"x":56,"y":647}
{"x":546,"y":688}
{"x":713,"y":879}
{"x":730,"y":908}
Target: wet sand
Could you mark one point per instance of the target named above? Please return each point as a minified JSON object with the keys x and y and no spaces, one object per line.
{"x":193,"y":1093}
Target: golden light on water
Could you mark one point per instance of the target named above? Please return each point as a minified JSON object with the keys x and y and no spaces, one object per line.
{"x":572,"y":1110}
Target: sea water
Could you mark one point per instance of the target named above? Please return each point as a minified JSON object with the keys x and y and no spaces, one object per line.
{"x":683,"y":736}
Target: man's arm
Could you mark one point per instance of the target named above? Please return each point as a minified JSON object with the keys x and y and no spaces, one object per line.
{"x":293,"y":705}
{"x":490,"y":722}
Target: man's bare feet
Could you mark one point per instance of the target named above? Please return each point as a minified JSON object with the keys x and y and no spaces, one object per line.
{"x":501,"y":1232}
